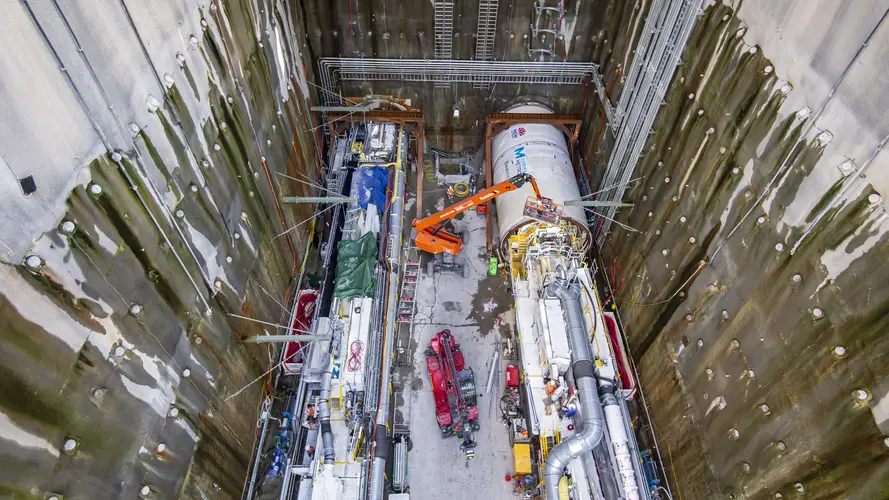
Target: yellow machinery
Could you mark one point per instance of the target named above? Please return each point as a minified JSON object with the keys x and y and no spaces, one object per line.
{"x":521,"y":455}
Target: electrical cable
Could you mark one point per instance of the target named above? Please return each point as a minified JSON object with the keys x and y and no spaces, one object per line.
{"x":781,"y":170}
{"x":615,"y":262}
{"x":339,"y":96}
{"x":461,"y":188}
{"x":595,"y":321}
{"x":562,"y":44}
{"x":355,"y":350}
{"x":700,"y":268}
{"x":307,"y":183}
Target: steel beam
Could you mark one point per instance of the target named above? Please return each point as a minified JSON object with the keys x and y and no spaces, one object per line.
{"x":264,"y":339}
{"x":345,"y":109}
{"x":421,"y":143}
{"x":569,"y":124}
{"x":489,"y":179}
{"x":317,"y":199}
{"x":334,"y":70}
{"x":381,"y":116}
{"x":593,"y":203}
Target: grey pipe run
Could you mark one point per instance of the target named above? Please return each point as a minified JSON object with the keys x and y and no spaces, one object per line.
{"x":381,"y":434}
{"x":593,"y":429}
{"x":324,"y":418}
{"x":324,"y":396}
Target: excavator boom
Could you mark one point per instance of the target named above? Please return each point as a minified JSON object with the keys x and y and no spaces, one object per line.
{"x":432,"y":237}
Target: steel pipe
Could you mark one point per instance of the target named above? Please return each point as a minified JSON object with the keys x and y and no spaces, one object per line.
{"x":324,"y":418}
{"x":393,"y":254}
{"x":264,"y":416}
{"x":593,"y":429}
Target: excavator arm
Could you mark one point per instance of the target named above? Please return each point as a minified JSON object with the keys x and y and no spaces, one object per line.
{"x":431,"y":236}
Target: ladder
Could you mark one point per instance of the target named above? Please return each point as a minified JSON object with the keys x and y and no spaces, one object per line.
{"x":407,"y":303}
{"x":486,"y":29}
{"x":350,"y":225}
{"x":444,"y":28}
{"x":444,"y":36}
{"x":485,"y":33}
{"x":544,"y":37}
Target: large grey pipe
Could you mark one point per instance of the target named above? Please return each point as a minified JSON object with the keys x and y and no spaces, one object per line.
{"x":587,"y":392}
{"x":324,"y":399}
{"x":381,"y":434}
{"x":324,"y":417}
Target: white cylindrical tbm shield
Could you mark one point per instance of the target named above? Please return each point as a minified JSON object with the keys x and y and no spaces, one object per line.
{"x":540,"y":150}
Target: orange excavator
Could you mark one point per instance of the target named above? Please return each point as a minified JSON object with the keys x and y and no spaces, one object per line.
{"x":431,"y":236}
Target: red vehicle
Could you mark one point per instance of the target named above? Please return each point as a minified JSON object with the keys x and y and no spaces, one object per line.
{"x":453,"y":386}
{"x":294,"y":355}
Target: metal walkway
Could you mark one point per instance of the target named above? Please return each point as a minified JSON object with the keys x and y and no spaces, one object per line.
{"x":336,"y":70}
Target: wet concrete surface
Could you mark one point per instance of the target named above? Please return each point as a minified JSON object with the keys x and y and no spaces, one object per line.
{"x":447,"y":301}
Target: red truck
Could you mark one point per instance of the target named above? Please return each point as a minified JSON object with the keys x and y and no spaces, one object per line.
{"x":453,"y":387}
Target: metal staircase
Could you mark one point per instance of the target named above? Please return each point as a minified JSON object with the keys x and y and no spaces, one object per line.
{"x":407,"y":304}
{"x":407,"y":307}
{"x":444,"y":28}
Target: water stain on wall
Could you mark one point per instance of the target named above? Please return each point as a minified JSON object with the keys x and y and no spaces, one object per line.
{"x":760,"y":363}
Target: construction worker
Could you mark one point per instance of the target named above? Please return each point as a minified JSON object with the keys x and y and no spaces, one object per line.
{"x":310,"y":450}
{"x":450,"y":193}
{"x":310,"y":415}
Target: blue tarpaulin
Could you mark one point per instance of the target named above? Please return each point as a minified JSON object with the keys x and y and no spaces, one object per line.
{"x":369,"y":186}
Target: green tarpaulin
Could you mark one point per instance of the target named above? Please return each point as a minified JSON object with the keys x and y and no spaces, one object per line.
{"x":354,"y":267}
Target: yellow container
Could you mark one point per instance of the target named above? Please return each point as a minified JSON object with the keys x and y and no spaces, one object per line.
{"x":521,"y":453}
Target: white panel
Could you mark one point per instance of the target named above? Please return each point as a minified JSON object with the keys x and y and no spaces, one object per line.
{"x":557,"y":336}
{"x":359,"y":326}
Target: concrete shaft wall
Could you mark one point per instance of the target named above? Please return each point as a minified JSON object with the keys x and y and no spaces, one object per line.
{"x":755,"y":295}
{"x":398,"y":29}
{"x":153,"y":132}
